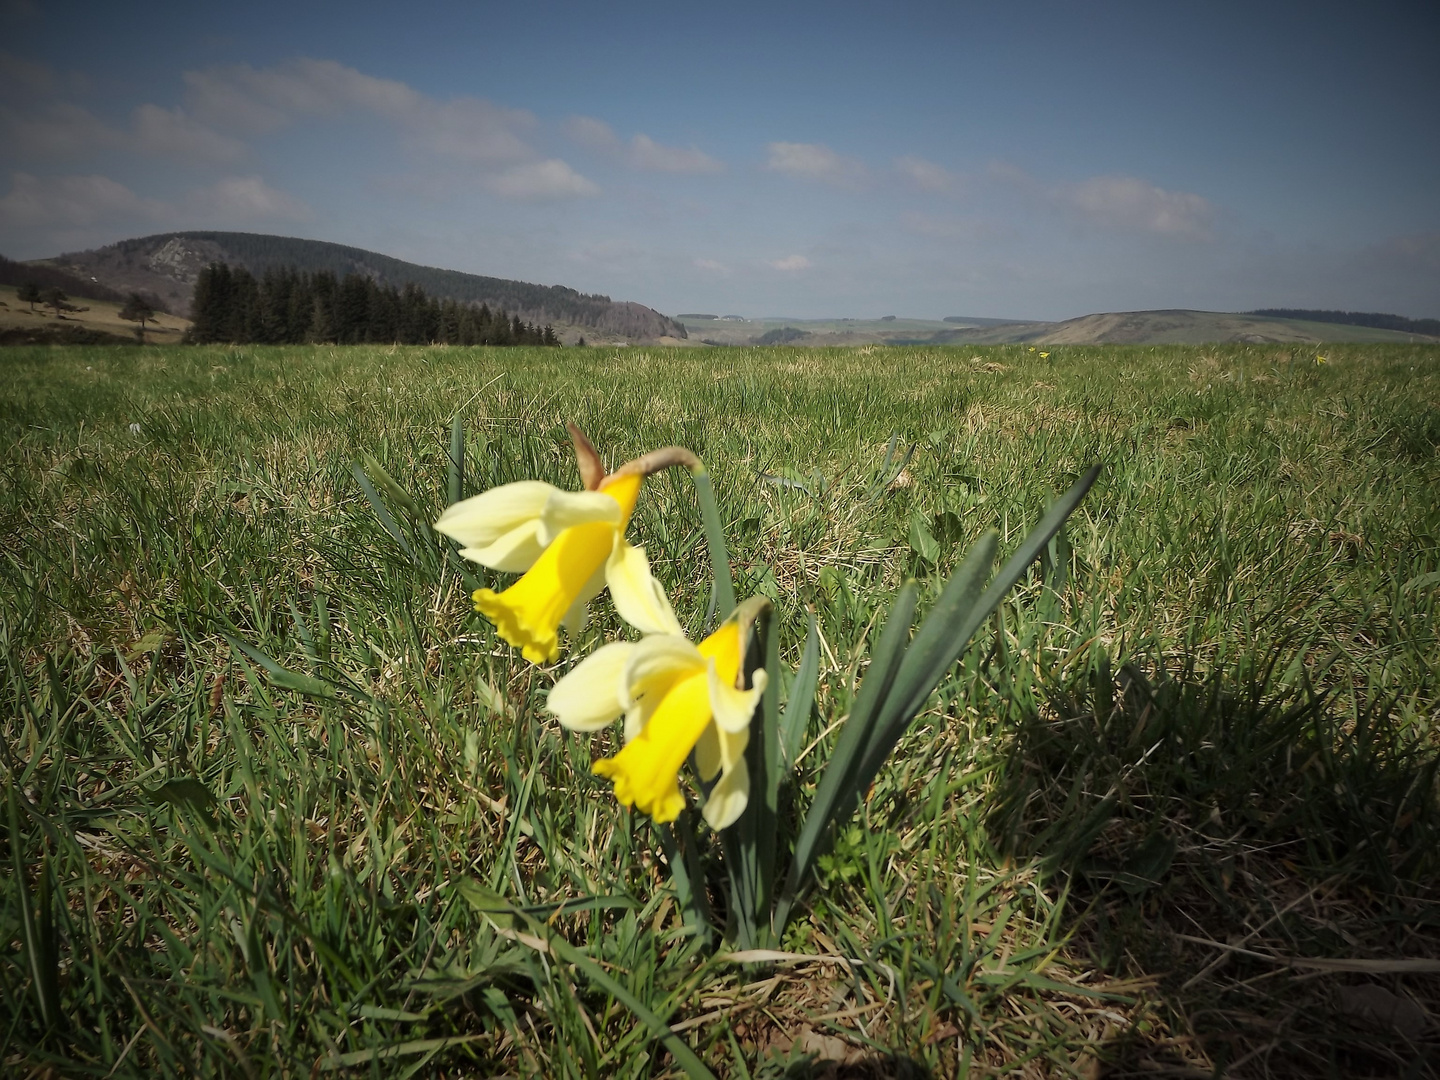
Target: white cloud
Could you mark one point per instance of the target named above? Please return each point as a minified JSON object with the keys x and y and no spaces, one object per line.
{"x":1120,"y":203}
{"x":72,"y":201}
{"x":1126,"y":202}
{"x":541,"y":181}
{"x":791,"y":263}
{"x":926,"y":175}
{"x":26,"y":76}
{"x":711,"y":266}
{"x":596,"y":134}
{"x":641,"y":152}
{"x":647,"y":154}
{"x":245,"y":198}
{"x":55,"y":130}
{"x":242,"y":98}
{"x":813,"y":161}
{"x":488,"y":139}
{"x":172,"y":133}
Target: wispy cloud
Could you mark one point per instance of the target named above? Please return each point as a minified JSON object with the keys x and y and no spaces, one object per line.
{"x":1129,"y":203}
{"x":73,"y":201}
{"x":641,"y":152}
{"x":791,"y":264}
{"x":712,"y":266}
{"x":172,"y":133}
{"x":81,"y":201}
{"x":1119,"y":203}
{"x":815,"y":161}
{"x":926,"y":175}
{"x":541,"y":181}
{"x":245,"y":199}
{"x":238,"y":97}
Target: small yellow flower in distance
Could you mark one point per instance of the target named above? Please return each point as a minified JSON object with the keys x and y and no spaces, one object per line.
{"x":567,"y":544}
{"x":1032,"y":348}
{"x":1319,"y":359}
{"x":676,"y":697}
{"x":1043,"y":355}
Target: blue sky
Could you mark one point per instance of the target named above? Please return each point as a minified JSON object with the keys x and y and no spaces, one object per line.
{"x":1033,"y":159}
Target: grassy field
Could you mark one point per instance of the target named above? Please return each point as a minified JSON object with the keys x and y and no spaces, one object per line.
{"x":100,"y":316}
{"x":1178,"y":818}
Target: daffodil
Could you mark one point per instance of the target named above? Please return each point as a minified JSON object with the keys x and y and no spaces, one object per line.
{"x":568,"y":545}
{"x":1044,"y":355}
{"x":676,"y":697}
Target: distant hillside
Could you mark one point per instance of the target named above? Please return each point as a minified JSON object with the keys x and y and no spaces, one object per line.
{"x":1379,"y":320}
{"x":168,"y":264}
{"x":1172,"y":327}
{"x":48,"y":277}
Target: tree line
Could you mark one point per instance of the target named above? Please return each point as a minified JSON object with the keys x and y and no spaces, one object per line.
{"x":288,"y":306}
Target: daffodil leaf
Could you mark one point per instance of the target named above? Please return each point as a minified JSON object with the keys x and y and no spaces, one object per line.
{"x":839,"y":773}
{"x":801,"y":701}
{"x":724,"y":591}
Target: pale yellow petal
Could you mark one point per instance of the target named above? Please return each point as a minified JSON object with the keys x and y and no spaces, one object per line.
{"x":728,"y":798}
{"x":588,"y":698}
{"x":707,"y":753}
{"x":638,"y":597}
{"x":479,"y":521}
{"x":566,"y":509}
{"x":513,"y":553}
{"x":657,"y":662}
{"x":734,"y":708}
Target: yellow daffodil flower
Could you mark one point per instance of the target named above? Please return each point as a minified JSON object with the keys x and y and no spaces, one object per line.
{"x":1043,"y":355}
{"x":568,"y":545}
{"x":676,"y":697}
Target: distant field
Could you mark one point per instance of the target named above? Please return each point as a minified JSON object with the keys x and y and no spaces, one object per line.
{"x":101,"y":316}
{"x":1176,"y":815}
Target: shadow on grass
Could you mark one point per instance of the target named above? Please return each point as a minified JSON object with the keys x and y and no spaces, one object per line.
{"x":1265,"y":862}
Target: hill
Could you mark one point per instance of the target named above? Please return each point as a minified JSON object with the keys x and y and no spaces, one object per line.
{"x":1168,"y":327}
{"x":168,"y":264}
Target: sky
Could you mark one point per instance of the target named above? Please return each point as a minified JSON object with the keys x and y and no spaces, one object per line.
{"x":1034,"y":159}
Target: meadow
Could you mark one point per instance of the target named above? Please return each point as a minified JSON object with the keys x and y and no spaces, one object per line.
{"x":1176,"y":813}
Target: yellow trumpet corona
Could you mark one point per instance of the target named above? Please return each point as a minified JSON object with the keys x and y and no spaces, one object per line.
{"x":676,"y":697}
{"x":563,"y":541}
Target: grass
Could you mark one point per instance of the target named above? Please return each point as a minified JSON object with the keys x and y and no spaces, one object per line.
{"x":265,"y":769}
{"x":96,"y":317}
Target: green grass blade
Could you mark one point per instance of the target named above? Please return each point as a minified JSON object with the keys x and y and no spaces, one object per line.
{"x":455,"y":463}
{"x":802,"y":697}
{"x":387,"y":520}
{"x":37,"y":923}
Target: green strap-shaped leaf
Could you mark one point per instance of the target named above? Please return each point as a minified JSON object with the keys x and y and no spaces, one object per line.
{"x":802,"y":697}
{"x":845,"y":759}
{"x":715,"y":539}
